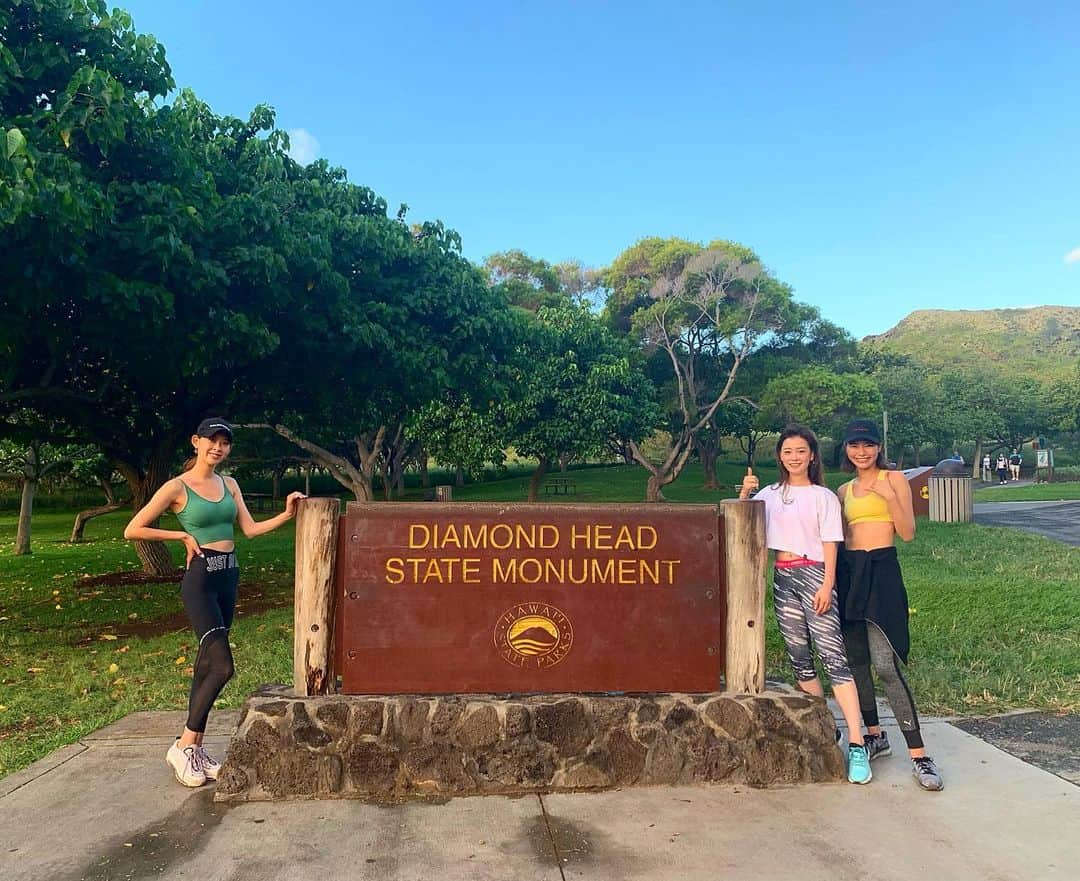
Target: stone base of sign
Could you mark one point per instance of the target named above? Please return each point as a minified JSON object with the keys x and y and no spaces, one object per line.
{"x":389,"y":748}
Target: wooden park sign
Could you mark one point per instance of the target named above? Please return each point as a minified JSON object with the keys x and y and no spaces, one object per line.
{"x":493,"y":598}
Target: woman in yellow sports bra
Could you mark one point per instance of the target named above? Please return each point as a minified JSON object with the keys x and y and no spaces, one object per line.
{"x":873,"y":601}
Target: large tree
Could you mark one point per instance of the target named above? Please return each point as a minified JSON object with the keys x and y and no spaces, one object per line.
{"x":166,"y":263}
{"x":576,"y":388}
{"x":703,"y":311}
{"x":421,"y":325}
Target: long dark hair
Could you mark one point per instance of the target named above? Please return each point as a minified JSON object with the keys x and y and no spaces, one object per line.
{"x":814,"y":472}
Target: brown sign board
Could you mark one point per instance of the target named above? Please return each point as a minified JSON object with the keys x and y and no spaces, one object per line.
{"x":515,"y":598}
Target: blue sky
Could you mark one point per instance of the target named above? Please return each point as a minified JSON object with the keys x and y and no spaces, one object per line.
{"x":878,"y":159}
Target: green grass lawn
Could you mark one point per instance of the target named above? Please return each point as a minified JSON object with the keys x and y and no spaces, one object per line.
{"x":995,"y":624}
{"x":1038,"y":492}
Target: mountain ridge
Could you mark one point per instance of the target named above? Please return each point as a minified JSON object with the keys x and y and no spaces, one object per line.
{"x":1038,"y":341}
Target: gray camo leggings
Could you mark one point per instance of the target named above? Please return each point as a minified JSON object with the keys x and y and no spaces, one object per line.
{"x":793,"y":598}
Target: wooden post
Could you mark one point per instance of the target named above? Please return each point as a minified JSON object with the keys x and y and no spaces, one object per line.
{"x":744,"y":576}
{"x":313,"y":607}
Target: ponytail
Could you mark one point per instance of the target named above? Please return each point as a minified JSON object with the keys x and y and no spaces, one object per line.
{"x":190,"y":463}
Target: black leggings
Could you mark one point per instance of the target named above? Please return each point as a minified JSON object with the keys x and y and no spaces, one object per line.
{"x":866,"y":645}
{"x":209,"y":594}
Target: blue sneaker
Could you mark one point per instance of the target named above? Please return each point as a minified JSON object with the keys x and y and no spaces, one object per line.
{"x":858,"y":769}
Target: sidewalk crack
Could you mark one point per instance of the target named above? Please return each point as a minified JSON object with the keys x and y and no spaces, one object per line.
{"x":551,"y":836}
{"x":48,"y":770}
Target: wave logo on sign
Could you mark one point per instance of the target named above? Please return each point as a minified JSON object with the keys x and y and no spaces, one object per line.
{"x":533,"y":635}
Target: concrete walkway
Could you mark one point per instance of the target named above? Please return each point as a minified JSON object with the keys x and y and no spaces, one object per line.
{"x":108,"y":808}
{"x":1056,"y":520}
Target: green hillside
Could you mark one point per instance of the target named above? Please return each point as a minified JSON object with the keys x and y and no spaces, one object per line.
{"x":1042,"y":342}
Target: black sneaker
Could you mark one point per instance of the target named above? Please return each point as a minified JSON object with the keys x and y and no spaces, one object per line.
{"x":877,"y":745}
{"x":926,"y":774}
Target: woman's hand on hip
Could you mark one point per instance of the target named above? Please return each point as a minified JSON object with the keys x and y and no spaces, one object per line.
{"x":191,"y":548}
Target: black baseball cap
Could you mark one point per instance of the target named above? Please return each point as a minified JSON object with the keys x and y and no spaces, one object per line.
{"x":210,"y":427}
{"x":862,"y":430}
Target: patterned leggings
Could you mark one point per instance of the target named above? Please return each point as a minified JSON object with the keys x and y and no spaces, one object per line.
{"x":793,"y":598}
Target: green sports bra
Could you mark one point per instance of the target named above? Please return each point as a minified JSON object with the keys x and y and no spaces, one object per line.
{"x":205,"y":520}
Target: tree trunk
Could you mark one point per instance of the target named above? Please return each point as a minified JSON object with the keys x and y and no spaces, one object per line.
{"x":275,"y":482}
{"x":425,"y":476}
{"x":976,"y":465}
{"x":111,"y":504}
{"x":900,"y":460}
{"x":83,"y":516}
{"x":564,"y":460}
{"x":26,"y":510}
{"x":538,"y":478}
{"x":459,"y":477}
{"x":654,"y":489}
{"x":707,"y":454}
{"x":155,"y":557}
{"x":667,"y":472}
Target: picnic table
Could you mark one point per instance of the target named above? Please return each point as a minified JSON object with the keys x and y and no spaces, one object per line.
{"x":560,"y":485}
{"x":261,"y":501}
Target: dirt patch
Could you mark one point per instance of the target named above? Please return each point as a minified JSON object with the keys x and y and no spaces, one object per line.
{"x":1045,"y":740}
{"x":255,"y":598}
{"x":133,"y":576}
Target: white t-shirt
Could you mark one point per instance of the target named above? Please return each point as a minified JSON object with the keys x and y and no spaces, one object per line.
{"x":799,"y":519}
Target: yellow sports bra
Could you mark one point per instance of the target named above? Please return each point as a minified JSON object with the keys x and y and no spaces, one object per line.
{"x":871,"y":508}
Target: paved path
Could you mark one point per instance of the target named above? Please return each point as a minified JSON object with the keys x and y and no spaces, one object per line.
{"x":1057,"y":520}
{"x":107,"y":809}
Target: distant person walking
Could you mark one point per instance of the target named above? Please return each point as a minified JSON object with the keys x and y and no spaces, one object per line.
{"x":987,"y":475}
{"x":207,"y":505}
{"x":803,"y":526}
{"x":873,"y":601}
{"x":1002,"y":467}
{"x":1015,"y":461}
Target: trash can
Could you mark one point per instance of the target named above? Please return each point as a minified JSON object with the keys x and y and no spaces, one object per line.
{"x":950,"y":492}
{"x":920,"y":492}
{"x":444,"y":492}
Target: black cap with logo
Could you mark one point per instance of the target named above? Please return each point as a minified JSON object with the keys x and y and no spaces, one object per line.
{"x":862,"y":430}
{"x":210,"y":427}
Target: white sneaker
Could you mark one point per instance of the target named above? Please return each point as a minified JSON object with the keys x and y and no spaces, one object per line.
{"x":211,"y":767}
{"x":185,"y":764}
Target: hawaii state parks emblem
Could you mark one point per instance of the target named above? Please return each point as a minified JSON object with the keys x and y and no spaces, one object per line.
{"x":533,"y":635}
{"x":925,"y":492}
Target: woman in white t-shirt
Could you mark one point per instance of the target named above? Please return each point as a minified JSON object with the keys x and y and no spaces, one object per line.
{"x":803,"y":524}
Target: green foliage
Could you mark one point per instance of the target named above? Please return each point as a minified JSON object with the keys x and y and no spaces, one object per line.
{"x":456,"y":433}
{"x":1041,"y":343}
{"x":576,"y":386}
{"x":169,"y":262}
{"x":818,"y":398}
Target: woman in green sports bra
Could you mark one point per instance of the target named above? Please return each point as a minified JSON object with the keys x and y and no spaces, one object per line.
{"x":207,"y":506}
{"x":873,"y":601}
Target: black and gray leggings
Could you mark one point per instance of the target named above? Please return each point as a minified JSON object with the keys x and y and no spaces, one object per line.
{"x":866,"y":646}
{"x":793,"y":599}
{"x":209,"y":593}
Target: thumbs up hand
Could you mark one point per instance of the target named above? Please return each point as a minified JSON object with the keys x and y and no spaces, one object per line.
{"x":749,"y":485}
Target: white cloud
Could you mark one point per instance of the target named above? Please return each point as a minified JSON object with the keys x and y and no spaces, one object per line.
{"x":1073,"y":256}
{"x":304,"y":148}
